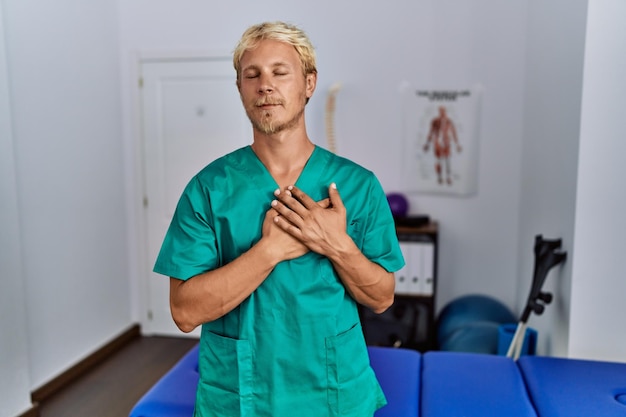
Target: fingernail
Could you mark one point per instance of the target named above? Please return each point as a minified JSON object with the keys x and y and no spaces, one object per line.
{"x":290,"y":187}
{"x":274,"y":202}
{"x":277,"y":191}
{"x":334,"y":186}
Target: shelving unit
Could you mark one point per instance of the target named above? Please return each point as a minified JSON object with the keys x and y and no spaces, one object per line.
{"x":410,"y":321}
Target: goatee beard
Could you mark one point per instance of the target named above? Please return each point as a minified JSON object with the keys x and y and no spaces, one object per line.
{"x":267,"y":125}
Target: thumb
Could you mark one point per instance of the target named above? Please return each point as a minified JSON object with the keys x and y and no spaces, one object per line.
{"x":335,"y":198}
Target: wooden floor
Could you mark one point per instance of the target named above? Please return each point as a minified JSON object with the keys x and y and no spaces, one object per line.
{"x":112,"y":388}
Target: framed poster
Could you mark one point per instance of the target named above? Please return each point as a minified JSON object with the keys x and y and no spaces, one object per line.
{"x":441,"y":140}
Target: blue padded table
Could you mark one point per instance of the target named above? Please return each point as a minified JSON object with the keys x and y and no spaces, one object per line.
{"x":448,"y":384}
{"x":174,"y":395}
{"x":574,"y":387}
{"x":398,"y":371}
{"x":458,"y":384}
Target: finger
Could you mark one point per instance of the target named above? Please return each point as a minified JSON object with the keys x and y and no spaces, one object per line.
{"x":335,"y":198}
{"x":270,"y":215}
{"x":272,"y":212}
{"x":301,"y":196}
{"x":289,"y":213}
{"x":286,"y":200}
{"x":288,"y":227}
{"x":325,"y":203}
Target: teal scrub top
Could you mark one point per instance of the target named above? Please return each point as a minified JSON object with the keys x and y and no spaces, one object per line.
{"x":295,"y":346}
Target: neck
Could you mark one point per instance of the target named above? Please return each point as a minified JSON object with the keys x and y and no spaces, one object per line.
{"x":284,"y":154}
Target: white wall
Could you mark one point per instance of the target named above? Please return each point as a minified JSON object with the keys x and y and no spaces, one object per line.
{"x":372,"y":52}
{"x":599,"y":270}
{"x":14,"y":364}
{"x":72,"y":183}
{"x":65,"y":104}
{"x":554,"y":68}
{"x":527,"y":55}
{"x":572,"y":172}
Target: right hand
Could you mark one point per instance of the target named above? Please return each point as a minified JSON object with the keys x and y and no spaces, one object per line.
{"x":285,"y":246}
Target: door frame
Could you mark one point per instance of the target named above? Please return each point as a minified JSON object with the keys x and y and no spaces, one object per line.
{"x":140,"y":287}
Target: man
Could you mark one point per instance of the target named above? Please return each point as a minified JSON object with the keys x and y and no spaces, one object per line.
{"x":265,"y":254}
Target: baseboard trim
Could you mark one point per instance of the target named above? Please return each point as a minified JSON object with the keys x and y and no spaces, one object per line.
{"x":33,"y":411}
{"x":48,"y":389}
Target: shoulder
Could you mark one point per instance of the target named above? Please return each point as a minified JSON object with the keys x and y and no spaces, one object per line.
{"x":341,"y":163}
{"x":234,"y":160}
{"x":214,"y":175}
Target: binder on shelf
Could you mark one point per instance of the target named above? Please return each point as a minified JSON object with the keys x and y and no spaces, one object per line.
{"x":417,"y":276}
{"x":415,"y":268}
{"x":402,"y":276}
{"x":428,"y":269}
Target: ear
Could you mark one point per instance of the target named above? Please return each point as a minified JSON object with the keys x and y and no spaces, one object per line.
{"x":311,"y":82}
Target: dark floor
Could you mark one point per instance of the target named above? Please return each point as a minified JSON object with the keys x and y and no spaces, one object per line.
{"x":112,"y":388}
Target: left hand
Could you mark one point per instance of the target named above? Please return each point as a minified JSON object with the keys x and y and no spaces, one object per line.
{"x":321,"y":226}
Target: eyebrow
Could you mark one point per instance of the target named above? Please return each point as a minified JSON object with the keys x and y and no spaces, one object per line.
{"x":274,"y":65}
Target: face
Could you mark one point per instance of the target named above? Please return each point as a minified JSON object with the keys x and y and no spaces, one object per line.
{"x":273,"y":88}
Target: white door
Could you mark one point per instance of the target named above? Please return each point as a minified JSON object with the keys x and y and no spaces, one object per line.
{"x":191,"y":114}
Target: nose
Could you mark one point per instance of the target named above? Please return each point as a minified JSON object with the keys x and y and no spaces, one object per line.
{"x":265,"y":84}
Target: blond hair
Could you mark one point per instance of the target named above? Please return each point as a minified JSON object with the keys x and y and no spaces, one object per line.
{"x":277,"y":31}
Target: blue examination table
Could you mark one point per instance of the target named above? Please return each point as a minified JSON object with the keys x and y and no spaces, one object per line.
{"x":450,"y":384}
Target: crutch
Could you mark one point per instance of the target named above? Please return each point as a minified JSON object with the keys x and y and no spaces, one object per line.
{"x":547,"y":255}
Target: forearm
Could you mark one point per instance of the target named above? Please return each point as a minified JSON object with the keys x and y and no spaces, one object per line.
{"x":211,"y":295}
{"x":322,"y":229}
{"x":368,"y":283}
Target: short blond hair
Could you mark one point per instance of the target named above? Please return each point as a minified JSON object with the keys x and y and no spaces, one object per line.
{"x":277,"y":31}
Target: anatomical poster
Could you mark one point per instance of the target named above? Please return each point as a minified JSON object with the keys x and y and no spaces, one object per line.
{"x":441,"y":140}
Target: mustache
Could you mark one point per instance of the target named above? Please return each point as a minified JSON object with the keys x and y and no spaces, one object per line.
{"x":267,"y":100}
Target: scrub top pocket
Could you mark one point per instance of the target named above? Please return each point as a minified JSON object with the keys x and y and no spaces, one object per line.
{"x":226,"y":378}
{"x":351,"y":380}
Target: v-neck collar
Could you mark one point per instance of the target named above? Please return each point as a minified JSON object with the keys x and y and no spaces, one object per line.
{"x":262,"y":177}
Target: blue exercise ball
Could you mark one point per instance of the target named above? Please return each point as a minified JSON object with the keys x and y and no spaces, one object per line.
{"x":469,"y":309}
{"x":474,"y":337}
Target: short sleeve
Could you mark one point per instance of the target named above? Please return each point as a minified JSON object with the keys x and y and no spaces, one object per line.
{"x":189,"y":247}
{"x":381,"y":240}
